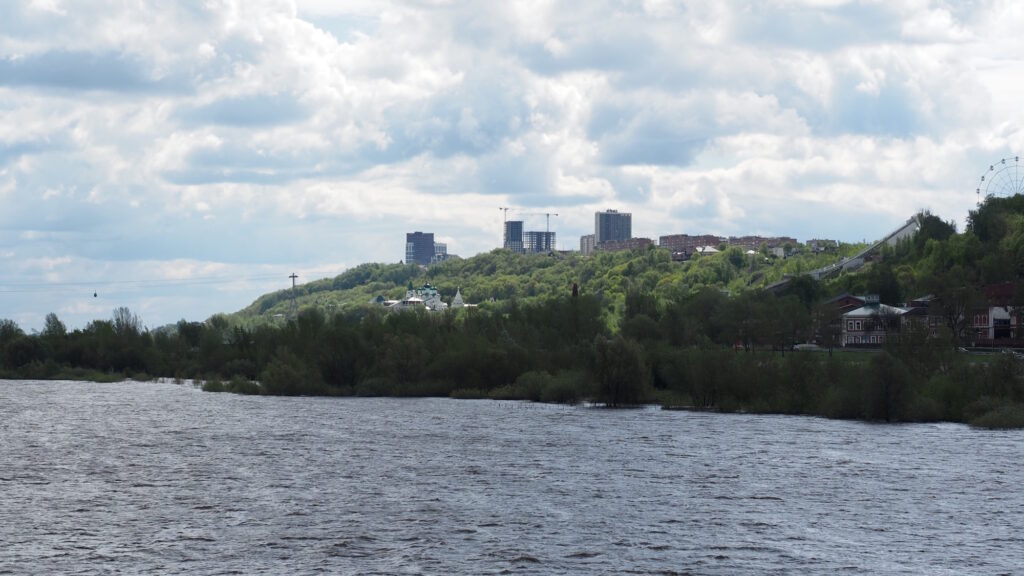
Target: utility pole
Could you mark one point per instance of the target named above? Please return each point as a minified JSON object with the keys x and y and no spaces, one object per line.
{"x":294,"y":310}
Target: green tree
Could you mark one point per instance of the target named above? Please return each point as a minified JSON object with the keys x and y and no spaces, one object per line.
{"x":287,"y":375}
{"x":23,"y":350}
{"x":125,"y":323}
{"x":955,"y":300}
{"x":827,"y":325}
{"x":736,"y":257}
{"x":882,"y":280}
{"x":807,"y":289}
{"x":9,"y":330}
{"x":932,"y":227}
{"x":620,"y":372}
{"x":403,"y":358}
{"x":53,"y":327}
{"x":789,"y":320}
{"x":887,"y":392}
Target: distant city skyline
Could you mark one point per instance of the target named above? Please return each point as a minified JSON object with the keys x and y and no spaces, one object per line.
{"x":183,"y":159}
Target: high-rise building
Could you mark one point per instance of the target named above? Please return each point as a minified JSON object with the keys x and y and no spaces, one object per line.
{"x":534,"y":242}
{"x":419,"y":247}
{"x":587,"y":244}
{"x":440,"y":252}
{"x":612,"y":225}
{"x":514,"y":235}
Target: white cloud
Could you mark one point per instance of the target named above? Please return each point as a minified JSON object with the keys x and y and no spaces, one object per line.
{"x":933,"y":25}
{"x":52,"y":6}
{"x":309,"y":135}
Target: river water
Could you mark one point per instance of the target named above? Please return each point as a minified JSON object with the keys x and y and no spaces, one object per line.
{"x":158,"y":478}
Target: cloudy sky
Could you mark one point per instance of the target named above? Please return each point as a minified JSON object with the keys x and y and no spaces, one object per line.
{"x":182,"y":158}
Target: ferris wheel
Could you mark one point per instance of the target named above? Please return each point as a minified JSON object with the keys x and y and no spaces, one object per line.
{"x":1002,"y":179}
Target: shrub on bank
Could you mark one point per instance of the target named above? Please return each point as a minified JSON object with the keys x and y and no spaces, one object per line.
{"x":239,"y":384}
{"x":924,"y":409}
{"x":1000,"y":416}
{"x":88,"y":375}
{"x":506,"y":392}
{"x":565,"y":388}
{"x":374,"y":386}
{"x":288,"y":375}
{"x":530,"y":385}
{"x":467,"y":394}
{"x":214,"y":385}
{"x":37,"y":370}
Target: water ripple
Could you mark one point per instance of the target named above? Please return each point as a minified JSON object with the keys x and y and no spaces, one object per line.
{"x":163,"y":479}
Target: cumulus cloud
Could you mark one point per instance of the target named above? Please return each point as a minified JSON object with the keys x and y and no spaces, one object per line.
{"x":227,"y":136}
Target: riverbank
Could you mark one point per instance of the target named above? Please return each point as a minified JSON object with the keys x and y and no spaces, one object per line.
{"x":876,"y":387}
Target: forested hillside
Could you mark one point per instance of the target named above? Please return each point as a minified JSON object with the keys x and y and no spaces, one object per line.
{"x":501,"y":276}
{"x":936,"y":259}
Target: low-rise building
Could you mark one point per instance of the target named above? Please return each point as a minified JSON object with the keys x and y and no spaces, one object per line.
{"x":687,"y":244}
{"x":871,"y":324}
{"x":819,"y":245}
{"x":628,"y":244}
{"x":996,"y":322}
{"x":425,"y":298}
{"x":923,"y":312}
{"x":458,"y":302}
{"x":755,"y":242}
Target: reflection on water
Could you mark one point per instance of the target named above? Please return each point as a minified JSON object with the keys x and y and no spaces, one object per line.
{"x":164,"y":479}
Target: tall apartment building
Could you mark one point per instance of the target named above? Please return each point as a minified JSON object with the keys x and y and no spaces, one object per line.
{"x":514,"y":236}
{"x":534,"y":242}
{"x":612,"y":225}
{"x":419,"y":248}
{"x":440,"y":252}
{"x":587,"y":244}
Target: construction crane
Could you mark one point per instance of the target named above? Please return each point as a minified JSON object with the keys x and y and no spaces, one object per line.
{"x":547,"y":225}
{"x":547,"y":218}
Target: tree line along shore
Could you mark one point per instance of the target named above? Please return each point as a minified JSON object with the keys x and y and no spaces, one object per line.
{"x":642,"y":329}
